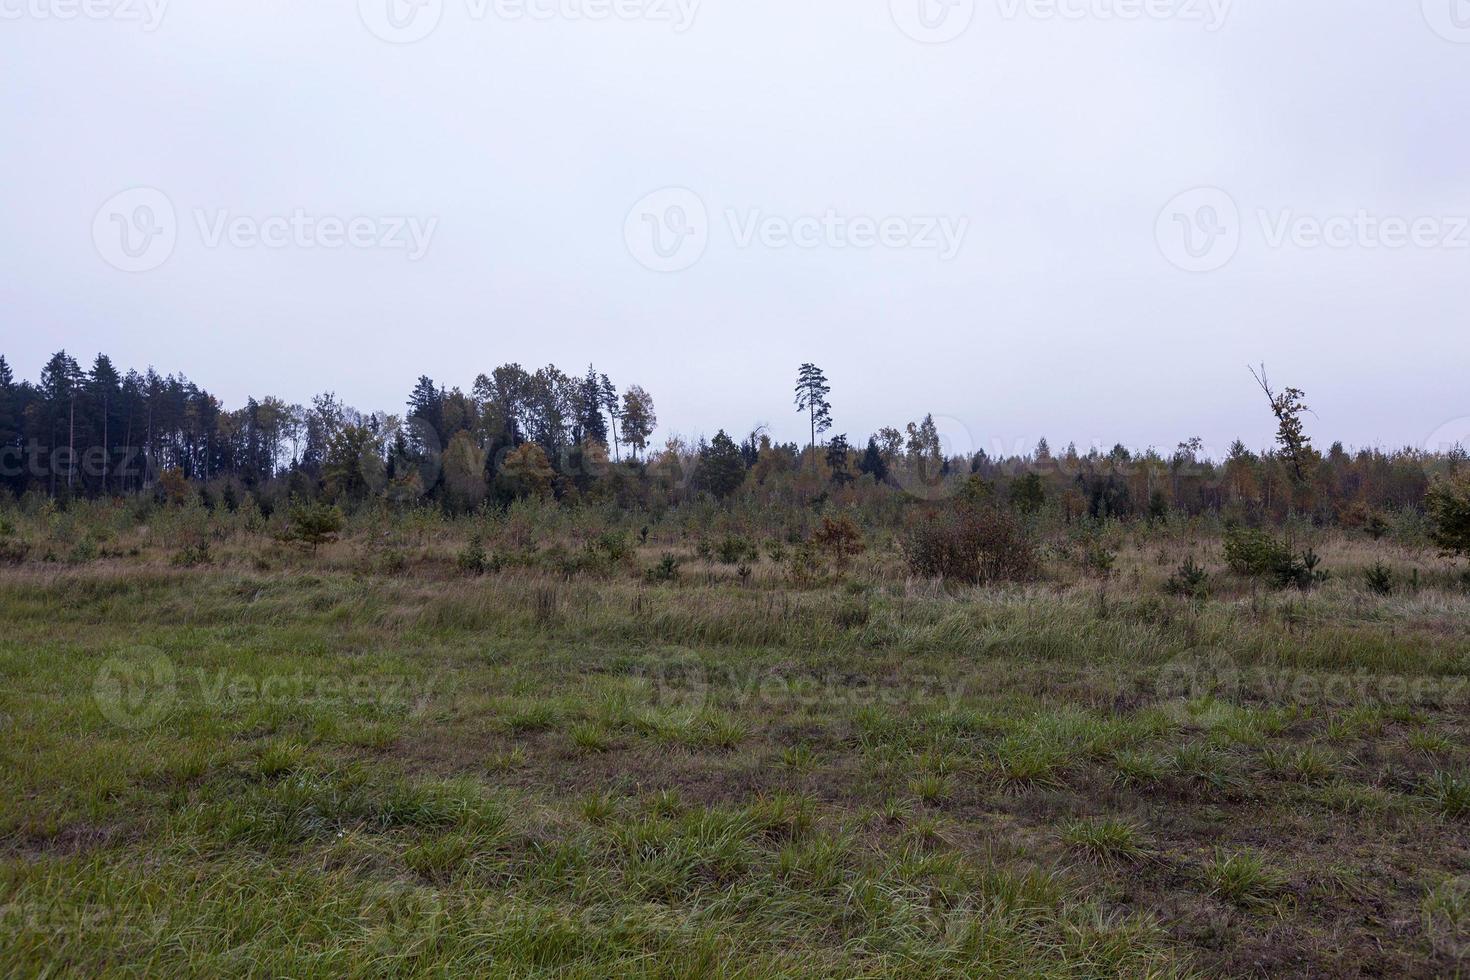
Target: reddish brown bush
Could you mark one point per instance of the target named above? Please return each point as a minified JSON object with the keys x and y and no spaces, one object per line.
{"x":970,"y":544}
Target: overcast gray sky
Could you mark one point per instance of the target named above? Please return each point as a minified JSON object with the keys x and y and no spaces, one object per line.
{"x":699,"y":196}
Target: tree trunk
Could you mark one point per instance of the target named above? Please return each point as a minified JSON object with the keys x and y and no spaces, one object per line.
{"x":71,"y":443}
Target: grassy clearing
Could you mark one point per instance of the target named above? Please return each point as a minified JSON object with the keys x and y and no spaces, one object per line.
{"x":309,"y":766}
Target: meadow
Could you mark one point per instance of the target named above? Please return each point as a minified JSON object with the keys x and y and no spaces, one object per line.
{"x":543,"y":742}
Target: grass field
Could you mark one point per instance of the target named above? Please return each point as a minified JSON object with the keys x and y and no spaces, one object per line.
{"x":295,"y":764}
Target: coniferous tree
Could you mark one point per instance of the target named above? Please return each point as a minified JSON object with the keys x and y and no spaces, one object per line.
{"x":426,"y":409}
{"x":104,"y":389}
{"x":872,"y":463}
{"x":811,"y":397}
{"x":11,"y":472}
{"x":837,"y":451}
{"x":591,"y":426}
{"x":721,"y":467}
{"x":60,"y":380}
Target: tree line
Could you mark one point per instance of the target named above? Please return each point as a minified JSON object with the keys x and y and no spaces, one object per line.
{"x":101,"y":431}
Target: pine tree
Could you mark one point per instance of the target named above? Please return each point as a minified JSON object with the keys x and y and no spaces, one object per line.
{"x":590,"y":424}
{"x":103,"y":388}
{"x":811,"y":397}
{"x":872,"y":463}
{"x":721,"y":467}
{"x":60,"y":380}
{"x":10,"y":428}
{"x":837,"y":451}
{"x":426,"y":415}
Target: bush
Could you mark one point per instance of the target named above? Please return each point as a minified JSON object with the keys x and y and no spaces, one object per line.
{"x":1379,"y":579}
{"x":1255,"y":553}
{"x":1100,"y":560}
{"x":473,"y":560}
{"x":1190,"y":580}
{"x":13,"y":552}
{"x":667,"y":570}
{"x":805,"y":567}
{"x":314,"y":524}
{"x":613,"y":545}
{"x":840,"y":540}
{"x":1302,"y":571}
{"x":970,"y":544}
{"x":734,"y":550}
{"x":192,"y":555}
{"x":1261,"y":555}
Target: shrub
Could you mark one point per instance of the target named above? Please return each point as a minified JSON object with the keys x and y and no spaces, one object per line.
{"x":1255,"y":553}
{"x":614,"y":545}
{"x":82,"y":552}
{"x":1100,"y":560}
{"x":667,"y":570}
{"x":1448,"y":503}
{"x":805,"y":566}
{"x":733,"y":550}
{"x":173,"y":487}
{"x":13,"y":552}
{"x":194,"y":554}
{"x":1262,"y":555}
{"x":970,"y":544}
{"x":314,"y":524}
{"x":473,"y":560}
{"x":1190,"y":580}
{"x":1379,"y":579}
{"x":840,"y":540}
